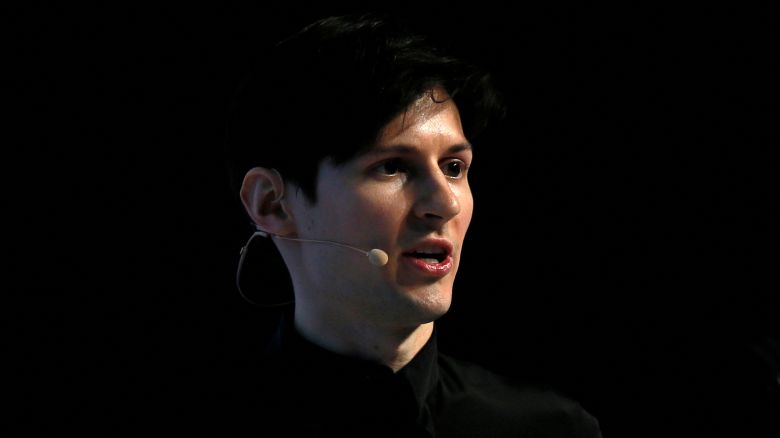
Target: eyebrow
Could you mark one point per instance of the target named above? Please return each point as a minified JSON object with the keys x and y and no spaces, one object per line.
{"x":408,"y":150}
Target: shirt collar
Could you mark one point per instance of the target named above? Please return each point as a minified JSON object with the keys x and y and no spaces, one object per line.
{"x":421,"y":373}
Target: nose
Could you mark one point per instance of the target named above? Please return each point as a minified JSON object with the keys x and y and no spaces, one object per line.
{"x":436,"y":201}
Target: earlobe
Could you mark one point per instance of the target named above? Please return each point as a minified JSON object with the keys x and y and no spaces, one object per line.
{"x":263,"y":196}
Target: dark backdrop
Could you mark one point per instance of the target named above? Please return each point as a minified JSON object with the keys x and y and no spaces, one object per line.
{"x":623,"y":248}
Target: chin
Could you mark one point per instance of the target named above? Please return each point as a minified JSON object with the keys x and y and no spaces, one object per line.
{"x":432,"y":306}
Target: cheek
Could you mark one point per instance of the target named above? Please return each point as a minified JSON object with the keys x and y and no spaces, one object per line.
{"x":382,"y":207}
{"x":466,"y":201}
{"x":371,"y":214}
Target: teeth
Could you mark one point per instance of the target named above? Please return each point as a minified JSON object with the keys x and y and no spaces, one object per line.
{"x":430,"y":250}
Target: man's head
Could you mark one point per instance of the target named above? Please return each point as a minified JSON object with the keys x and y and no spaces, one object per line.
{"x":326,"y":92}
{"x":367,"y":143}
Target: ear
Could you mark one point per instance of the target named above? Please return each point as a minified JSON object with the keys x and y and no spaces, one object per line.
{"x":262,"y":194}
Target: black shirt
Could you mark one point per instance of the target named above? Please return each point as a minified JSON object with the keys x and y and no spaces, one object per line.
{"x":312,"y":391}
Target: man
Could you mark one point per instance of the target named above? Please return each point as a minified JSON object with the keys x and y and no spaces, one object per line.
{"x":354,"y":139}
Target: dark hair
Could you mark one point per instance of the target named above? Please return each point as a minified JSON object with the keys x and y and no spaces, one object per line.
{"x":327,"y":91}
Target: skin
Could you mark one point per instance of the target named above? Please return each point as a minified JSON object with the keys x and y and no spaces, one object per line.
{"x":388,"y":198}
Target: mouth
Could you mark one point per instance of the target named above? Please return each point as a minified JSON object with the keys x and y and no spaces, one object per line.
{"x":432,"y":257}
{"x":427,"y":257}
{"x":431,"y":250}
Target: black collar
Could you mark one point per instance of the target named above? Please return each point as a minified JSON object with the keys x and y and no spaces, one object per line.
{"x":421,"y":374}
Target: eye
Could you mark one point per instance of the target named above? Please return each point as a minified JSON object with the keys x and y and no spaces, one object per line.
{"x":454,"y":168}
{"x":391,"y":167}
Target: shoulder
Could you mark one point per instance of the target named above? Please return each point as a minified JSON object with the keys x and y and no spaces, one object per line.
{"x":501,"y":404}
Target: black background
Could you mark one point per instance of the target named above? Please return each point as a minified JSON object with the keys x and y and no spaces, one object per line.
{"x":623,"y":247}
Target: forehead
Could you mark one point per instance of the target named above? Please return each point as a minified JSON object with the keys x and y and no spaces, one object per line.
{"x":433,"y":116}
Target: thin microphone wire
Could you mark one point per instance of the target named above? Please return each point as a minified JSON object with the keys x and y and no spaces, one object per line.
{"x":344,"y":245}
{"x":244,"y":250}
{"x":266,"y":234}
{"x":376,"y":256}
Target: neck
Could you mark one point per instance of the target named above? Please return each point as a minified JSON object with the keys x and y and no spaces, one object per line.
{"x":391,"y":346}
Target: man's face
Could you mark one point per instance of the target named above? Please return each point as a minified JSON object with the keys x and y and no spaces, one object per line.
{"x":406,"y":196}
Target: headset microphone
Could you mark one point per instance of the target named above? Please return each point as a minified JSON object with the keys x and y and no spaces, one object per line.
{"x":376,"y":256}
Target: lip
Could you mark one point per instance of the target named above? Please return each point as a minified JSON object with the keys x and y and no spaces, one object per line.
{"x":438,"y":269}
